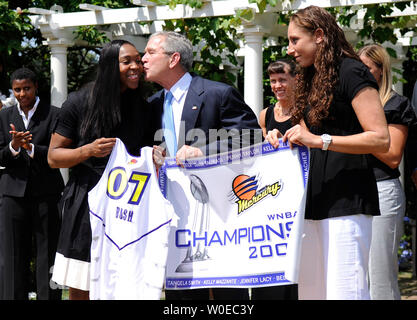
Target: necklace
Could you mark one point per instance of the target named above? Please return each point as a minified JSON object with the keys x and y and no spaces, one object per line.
{"x":281,"y":112}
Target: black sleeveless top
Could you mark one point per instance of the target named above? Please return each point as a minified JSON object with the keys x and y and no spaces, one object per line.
{"x":271,"y":123}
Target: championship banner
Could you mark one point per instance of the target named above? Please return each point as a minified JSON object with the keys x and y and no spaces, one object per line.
{"x":240,"y":217}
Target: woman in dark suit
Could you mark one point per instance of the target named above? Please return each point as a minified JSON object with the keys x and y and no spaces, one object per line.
{"x":30,"y":189}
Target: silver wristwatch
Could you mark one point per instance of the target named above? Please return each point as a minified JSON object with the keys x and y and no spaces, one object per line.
{"x":327,"y":139}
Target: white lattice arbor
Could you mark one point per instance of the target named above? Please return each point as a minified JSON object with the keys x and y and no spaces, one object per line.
{"x":57,"y":27}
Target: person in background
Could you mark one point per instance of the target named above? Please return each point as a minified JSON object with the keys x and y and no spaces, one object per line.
{"x":282,"y":78}
{"x":30,"y":190}
{"x":387,"y":229}
{"x":278,"y":117}
{"x":341,"y":120}
{"x":411,"y":147}
{"x":111,"y":107}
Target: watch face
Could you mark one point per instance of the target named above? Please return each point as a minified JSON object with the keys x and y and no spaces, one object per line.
{"x":327,"y":139}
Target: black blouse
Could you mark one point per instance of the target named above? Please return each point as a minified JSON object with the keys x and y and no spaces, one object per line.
{"x":397,"y":111}
{"x":342,"y":184}
{"x":134,"y":130}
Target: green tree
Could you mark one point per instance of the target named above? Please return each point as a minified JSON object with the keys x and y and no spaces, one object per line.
{"x":21,"y":44}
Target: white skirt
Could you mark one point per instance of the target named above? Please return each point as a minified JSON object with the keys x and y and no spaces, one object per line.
{"x":334,"y":258}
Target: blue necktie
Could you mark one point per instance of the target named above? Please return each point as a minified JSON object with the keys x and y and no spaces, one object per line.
{"x":169,"y":127}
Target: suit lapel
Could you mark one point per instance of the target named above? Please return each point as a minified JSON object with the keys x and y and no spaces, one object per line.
{"x":36,"y":116}
{"x":17,"y":120}
{"x":159,"y":111}
{"x":192,"y":106}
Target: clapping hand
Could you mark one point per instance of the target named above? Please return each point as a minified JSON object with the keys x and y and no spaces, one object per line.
{"x":20,"y":138}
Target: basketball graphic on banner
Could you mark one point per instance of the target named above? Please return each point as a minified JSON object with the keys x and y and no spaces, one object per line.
{"x":244,"y":186}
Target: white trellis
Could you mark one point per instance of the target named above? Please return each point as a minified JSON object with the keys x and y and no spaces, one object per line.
{"x":57,"y":28}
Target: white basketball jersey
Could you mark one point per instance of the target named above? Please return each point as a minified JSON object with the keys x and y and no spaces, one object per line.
{"x":130,"y":221}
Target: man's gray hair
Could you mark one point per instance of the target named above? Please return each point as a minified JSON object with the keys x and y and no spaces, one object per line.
{"x":176,"y":42}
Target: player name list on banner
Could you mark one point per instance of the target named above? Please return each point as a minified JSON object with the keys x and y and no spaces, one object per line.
{"x":240,"y":217}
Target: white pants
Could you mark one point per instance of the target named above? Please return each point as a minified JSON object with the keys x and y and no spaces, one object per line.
{"x":387,"y":230}
{"x":334,"y":258}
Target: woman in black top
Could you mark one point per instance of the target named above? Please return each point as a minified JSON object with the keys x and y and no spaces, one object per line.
{"x":387,"y":229}
{"x":277,"y":117}
{"x":90,"y":121}
{"x":341,"y":121}
{"x":282,"y":78}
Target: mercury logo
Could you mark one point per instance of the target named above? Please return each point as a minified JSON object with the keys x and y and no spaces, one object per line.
{"x":245,"y":189}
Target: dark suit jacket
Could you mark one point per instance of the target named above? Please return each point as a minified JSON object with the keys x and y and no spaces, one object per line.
{"x":208,"y":105}
{"x":24,"y":175}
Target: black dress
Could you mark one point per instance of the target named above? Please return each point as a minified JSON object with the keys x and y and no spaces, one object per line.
{"x":75,"y":238}
{"x":283,"y":292}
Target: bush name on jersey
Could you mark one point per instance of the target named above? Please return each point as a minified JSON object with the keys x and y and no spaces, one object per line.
{"x":118,"y":184}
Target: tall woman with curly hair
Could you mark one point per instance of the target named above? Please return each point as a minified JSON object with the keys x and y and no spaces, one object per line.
{"x":341,"y":120}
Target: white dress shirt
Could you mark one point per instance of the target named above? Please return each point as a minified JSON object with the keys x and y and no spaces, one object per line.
{"x":26,"y":121}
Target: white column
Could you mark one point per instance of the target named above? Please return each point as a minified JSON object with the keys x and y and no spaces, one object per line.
{"x":59,"y":83}
{"x":253,"y":67}
{"x":59,"y":79}
{"x":398,"y":87}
